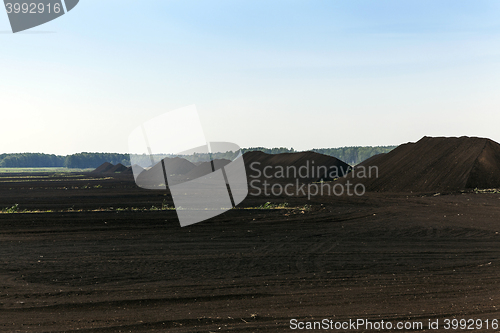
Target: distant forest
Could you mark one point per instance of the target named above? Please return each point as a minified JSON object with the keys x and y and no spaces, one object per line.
{"x":81,"y":160}
{"x":350,"y":155}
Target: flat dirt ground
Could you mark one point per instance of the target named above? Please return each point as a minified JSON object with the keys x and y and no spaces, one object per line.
{"x":94,"y":261}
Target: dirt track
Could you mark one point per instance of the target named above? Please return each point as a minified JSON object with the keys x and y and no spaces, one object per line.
{"x":383,"y":256}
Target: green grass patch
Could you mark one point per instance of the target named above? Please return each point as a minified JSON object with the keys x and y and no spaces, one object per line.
{"x":50,"y":170}
{"x":269,"y":205}
{"x":487,"y":190}
{"x":283,"y":205}
{"x":15,"y":209}
{"x":164,"y":206}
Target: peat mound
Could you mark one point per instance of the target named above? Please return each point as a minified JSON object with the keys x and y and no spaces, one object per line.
{"x":176,"y":166}
{"x":105,"y":167}
{"x":435,"y":164}
{"x":205,"y":168}
{"x":304,"y":166}
{"x":128,"y":171}
{"x":371,"y":160}
{"x":117,"y":168}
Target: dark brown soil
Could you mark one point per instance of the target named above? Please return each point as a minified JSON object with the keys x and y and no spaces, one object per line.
{"x":381,"y":256}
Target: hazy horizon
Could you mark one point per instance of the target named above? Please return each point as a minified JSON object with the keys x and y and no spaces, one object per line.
{"x":114,"y":152}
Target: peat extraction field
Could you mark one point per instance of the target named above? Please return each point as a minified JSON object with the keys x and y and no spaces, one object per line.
{"x":91,"y":253}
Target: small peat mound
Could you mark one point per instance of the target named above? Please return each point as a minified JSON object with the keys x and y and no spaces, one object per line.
{"x":174,"y":167}
{"x":128,"y":171}
{"x":205,"y":168}
{"x":434,"y":164}
{"x":304,"y":166}
{"x":109,"y":169}
{"x":103,"y":168}
{"x":117,"y":168}
{"x":178,"y":166}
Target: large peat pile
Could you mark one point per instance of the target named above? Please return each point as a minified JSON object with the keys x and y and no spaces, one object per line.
{"x":436,"y":164}
{"x":305,"y":166}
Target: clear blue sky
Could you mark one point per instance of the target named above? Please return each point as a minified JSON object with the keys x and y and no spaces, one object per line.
{"x":301,"y":74}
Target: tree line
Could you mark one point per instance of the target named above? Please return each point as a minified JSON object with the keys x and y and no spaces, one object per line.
{"x":350,"y":155}
{"x":354,"y":155}
{"x":80,"y":160}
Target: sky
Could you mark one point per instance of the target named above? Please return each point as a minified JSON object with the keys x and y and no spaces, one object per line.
{"x":302,"y":74}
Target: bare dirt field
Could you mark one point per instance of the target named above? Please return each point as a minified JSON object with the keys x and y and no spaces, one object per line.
{"x":89,"y":254}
